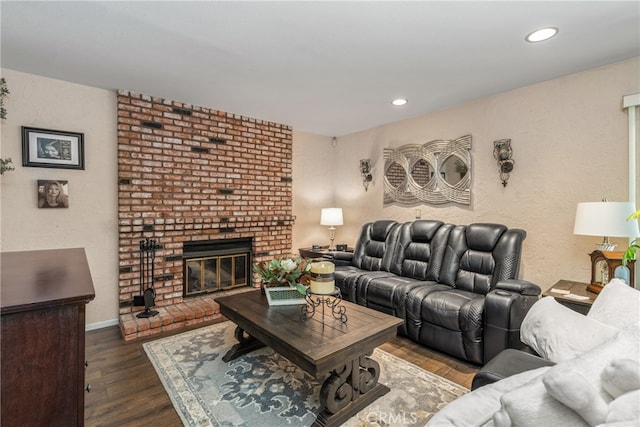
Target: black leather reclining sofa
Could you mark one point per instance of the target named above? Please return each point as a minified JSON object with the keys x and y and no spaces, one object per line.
{"x":454,"y":285}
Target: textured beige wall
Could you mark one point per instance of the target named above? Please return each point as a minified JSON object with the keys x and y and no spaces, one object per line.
{"x":313,"y":188}
{"x":90,"y":221}
{"x":569,"y":137}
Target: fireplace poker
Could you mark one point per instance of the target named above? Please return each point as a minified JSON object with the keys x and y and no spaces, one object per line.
{"x":138,"y":300}
{"x":153,"y":266}
{"x":147,"y":272}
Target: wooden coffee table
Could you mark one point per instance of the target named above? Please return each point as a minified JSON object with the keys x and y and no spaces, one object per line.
{"x":320,"y":346}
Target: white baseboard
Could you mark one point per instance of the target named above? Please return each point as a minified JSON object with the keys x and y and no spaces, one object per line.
{"x":100,"y":325}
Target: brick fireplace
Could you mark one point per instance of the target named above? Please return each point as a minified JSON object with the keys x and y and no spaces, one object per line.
{"x":189,"y":174}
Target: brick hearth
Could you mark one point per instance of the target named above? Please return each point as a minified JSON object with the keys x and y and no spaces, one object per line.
{"x":191,"y":311}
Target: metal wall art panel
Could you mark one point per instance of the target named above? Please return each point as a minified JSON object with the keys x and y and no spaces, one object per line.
{"x":436,"y":172}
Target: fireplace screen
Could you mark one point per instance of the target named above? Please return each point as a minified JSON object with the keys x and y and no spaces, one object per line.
{"x":215,"y":273}
{"x":216,"y":265}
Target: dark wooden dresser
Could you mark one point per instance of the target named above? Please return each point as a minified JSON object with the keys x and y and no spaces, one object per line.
{"x":42,"y":302}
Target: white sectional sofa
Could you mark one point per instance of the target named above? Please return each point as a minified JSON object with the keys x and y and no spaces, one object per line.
{"x":595,"y":379}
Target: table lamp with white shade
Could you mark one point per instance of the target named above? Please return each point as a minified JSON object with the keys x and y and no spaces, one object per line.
{"x":606,"y":219}
{"x":331,"y":217}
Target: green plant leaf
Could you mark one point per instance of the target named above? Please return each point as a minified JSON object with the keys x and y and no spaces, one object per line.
{"x":634,"y":215}
{"x":630,"y":253}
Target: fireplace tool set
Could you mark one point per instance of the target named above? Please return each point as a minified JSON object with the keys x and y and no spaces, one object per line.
{"x":147,"y":273}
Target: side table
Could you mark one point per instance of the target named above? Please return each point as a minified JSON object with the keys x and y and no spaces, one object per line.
{"x":572,"y":294}
{"x":318,"y":252}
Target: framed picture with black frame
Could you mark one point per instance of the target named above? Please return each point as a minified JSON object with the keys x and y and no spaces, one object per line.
{"x":53,"y":194}
{"x":45,"y":148}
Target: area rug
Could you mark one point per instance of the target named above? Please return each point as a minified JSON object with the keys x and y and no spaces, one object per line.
{"x":263,"y":388}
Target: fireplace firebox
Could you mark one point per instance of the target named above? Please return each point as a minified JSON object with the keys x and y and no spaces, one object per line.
{"x":216,"y":265}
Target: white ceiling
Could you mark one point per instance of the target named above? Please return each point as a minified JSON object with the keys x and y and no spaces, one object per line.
{"x":329,"y":68}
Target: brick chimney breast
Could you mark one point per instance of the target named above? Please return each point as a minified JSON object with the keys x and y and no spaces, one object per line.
{"x":189,"y":173}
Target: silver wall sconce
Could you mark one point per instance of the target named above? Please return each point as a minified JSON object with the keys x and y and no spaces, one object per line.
{"x":365,"y":171}
{"x":502,"y":152}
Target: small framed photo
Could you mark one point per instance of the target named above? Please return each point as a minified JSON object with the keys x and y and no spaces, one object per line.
{"x":53,"y":194}
{"x":44,"y":148}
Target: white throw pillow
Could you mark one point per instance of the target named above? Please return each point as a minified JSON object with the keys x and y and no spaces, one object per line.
{"x":532,"y":404}
{"x":558,"y":333}
{"x":574,"y":390}
{"x":618,"y":305}
{"x":621,"y":376}
{"x":625,"y":408}
{"x":476,"y":408}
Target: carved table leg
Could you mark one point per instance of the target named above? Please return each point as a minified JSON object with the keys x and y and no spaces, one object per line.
{"x":246,"y":344}
{"x":348,"y":390}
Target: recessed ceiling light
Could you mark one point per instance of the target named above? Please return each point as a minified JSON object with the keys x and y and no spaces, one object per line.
{"x":541,"y":34}
{"x":398,"y":102}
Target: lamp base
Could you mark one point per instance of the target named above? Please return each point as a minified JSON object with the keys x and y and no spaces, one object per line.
{"x":606,"y":247}
{"x":332,"y":236}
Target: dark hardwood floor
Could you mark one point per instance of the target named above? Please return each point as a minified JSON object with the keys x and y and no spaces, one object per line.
{"x":125,"y":390}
